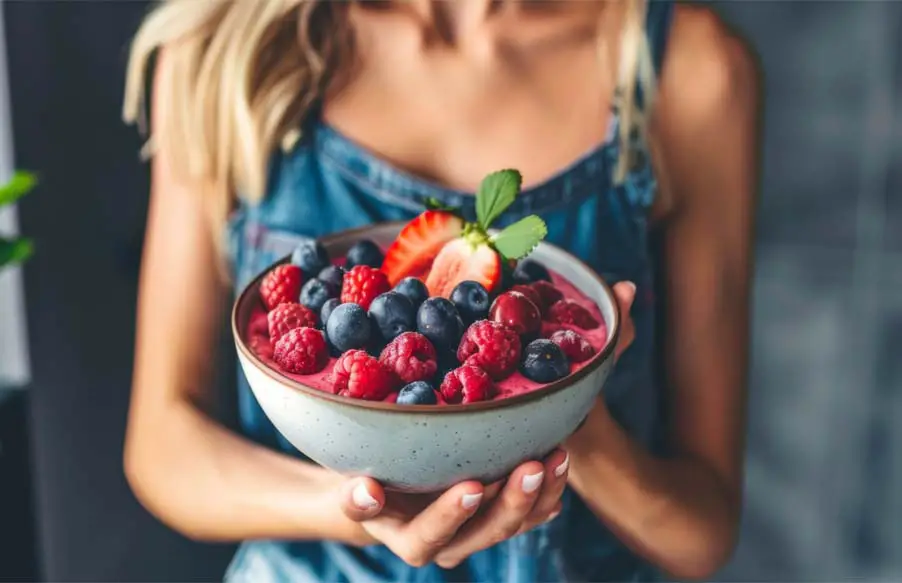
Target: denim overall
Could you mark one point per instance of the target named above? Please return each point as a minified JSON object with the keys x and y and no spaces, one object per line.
{"x":328,"y":183}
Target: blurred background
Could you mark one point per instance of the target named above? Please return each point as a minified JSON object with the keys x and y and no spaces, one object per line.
{"x":824,"y":477}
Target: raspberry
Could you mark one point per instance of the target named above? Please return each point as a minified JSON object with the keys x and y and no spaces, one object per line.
{"x":411,"y":356}
{"x":570,"y":312}
{"x":261,"y":346}
{"x":281,"y":285}
{"x":362,"y":284}
{"x":491,"y":346}
{"x":529,"y":292}
{"x":573,"y":344}
{"x":467,"y":384}
{"x":548,"y":294}
{"x":359,"y":375}
{"x":288,"y":316}
{"x":302,"y":351}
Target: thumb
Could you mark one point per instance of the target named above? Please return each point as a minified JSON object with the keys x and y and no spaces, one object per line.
{"x":625,"y":292}
{"x":361,"y":498}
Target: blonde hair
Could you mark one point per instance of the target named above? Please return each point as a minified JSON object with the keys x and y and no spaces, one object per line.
{"x":242,"y":75}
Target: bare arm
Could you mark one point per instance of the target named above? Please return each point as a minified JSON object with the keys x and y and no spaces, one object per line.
{"x":186,"y":468}
{"x":682,"y":512}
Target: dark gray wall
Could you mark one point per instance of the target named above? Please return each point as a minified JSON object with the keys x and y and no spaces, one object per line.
{"x":824,"y":470}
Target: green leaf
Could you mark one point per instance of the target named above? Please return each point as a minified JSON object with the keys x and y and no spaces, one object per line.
{"x":19,"y":185}
{"x":433,"y":204}
{"x":497,"y":192}
{"x":518,"y":240}
{"x":15,"y":250}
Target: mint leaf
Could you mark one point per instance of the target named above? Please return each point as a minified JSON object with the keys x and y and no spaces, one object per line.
{"x":518,"y":240}
{"x":14,"y":250}
{"x":433,"y":204}
{"x":497,"y":192}
{"x":20,"y":185}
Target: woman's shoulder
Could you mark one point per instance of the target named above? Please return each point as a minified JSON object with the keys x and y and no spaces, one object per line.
{"x":707,"y":63}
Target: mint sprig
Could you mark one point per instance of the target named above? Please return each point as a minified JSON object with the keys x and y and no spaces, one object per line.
{"x":518,"y":240}
{"x":497,"y":192}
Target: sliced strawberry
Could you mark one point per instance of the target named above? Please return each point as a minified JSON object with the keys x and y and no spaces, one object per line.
{"x":419,"y":242}
{"x":460,"y":260}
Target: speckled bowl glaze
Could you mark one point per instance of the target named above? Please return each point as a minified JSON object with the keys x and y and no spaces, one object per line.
{"x":426,"y":448}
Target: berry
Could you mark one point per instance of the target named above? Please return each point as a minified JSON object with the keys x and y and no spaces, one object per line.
{"x":414,"y":289}
{"x":310,"y":256}
{"x":574,"y":346}
{"x":467,"y":384}
{"x":516,"y":311}
{"x":364,"y":252}
{"x":417,"y":393}
{"x":316,"y":292}
{"x":491,"y":346}
{"x":286,"y":317}
{"x":281,"y":285}
{"x":530,"y":293}
{"x":529,"y":271}
{"x":438,"y":320}
{"x":544,"y":361}
{"x":462,"y":260}
{"x":393,"y":314}
{"x":332,"y":274}
{"x":261,"y":346}
{"x":419,"y":242}
{"x":471,"y":300}
{"x":548,"y":294}
{"x":570,"y":312}
{"x":357,"y":374}
{"x":411,"y":356}
{"x":302,"y":351}
{"x":348,"y":327}
{"x":327,"y":309}
{"x":362,"y":284}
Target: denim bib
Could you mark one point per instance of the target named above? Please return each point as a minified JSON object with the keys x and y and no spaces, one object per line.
{"x":328,"y":183}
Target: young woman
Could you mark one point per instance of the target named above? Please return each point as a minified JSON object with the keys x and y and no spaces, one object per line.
{"x":280,"y":119}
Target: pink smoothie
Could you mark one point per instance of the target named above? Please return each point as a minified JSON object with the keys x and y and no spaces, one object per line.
{"x":258,"y":341}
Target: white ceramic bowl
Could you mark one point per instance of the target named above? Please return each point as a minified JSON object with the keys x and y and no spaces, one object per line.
{"x":428,"y":448}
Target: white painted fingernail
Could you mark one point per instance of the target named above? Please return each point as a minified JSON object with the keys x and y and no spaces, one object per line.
{"x":562,"y":469}
{"x":532,"y":482}
{"x":363,"y":499}
{"x":552,"y":516}
{"x":631,"y":285}
{"x":470,"y":501}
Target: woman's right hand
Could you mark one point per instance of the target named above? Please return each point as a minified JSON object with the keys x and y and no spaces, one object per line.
{"x":465,"y":519}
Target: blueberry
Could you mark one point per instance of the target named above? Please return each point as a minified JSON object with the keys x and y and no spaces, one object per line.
{"x":327,"y":310}
{"x":364,"y":252}
{"x":417,"y":393}
{"x":332,"y":274}
{"x":414,"y":289}
{"x":393,"y":314}
{"x":348,"y":327}
{"x":315,"y":293}
{"x":471,"y":300}
{"x":310,"y":256}
{"x":438,"y":320}
{"x":544,"y":361}
{"x":529,"y":271}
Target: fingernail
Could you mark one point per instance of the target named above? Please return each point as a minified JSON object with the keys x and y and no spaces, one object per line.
{"x":562,"y":469}
{"x":552,"y":516}
{"x":470,"y":501}
{"x":363,"y":499}
{"x":631,"y":285}
{"x":532,"y":482}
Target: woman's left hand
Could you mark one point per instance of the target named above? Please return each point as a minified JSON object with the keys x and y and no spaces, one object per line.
{"x":625,"y":293}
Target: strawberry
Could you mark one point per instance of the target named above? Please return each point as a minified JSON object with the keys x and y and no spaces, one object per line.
{"x":462,"y":260}
{"x":419,"y":242}
{"x":466,"y":251}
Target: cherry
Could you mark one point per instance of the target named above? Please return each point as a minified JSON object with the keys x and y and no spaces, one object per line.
{"x":516,"y":311}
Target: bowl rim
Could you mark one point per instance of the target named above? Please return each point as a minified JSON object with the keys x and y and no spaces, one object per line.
{"x":594,"y":363}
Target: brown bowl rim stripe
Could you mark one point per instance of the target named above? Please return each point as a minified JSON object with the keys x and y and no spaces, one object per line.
{"x":549,"y":389}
